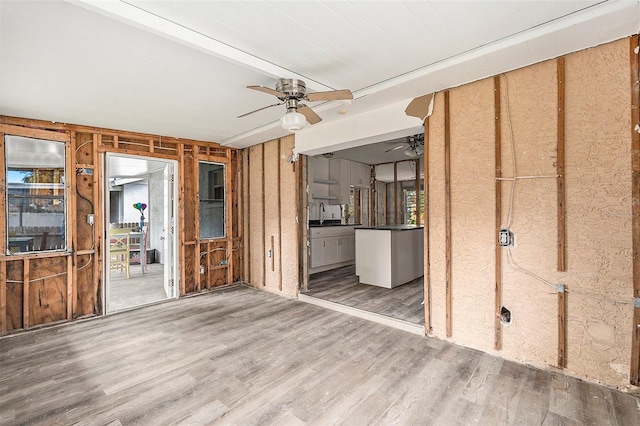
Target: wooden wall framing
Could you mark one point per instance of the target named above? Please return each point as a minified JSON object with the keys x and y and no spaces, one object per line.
{"x":634,"y":67}
{"x":66,"y":285}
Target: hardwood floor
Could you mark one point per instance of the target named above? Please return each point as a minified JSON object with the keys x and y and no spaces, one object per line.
{"x":137,"y":290}
{"x":342,"y":286}
{"x":240,"y":356}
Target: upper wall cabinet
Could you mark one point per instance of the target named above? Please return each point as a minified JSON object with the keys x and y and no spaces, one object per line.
{"x":360,"y":175}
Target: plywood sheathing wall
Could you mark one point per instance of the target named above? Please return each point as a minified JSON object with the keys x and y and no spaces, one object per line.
{"x":63,"y":286}
{"x":598,"y":216}
{"x":270,"y":225}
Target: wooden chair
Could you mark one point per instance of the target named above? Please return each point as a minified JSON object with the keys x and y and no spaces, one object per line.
{"x":119,"y":249}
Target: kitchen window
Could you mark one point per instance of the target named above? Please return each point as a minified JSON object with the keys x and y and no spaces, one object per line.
{"x":212,"y":196}
{"x":36,"y":199}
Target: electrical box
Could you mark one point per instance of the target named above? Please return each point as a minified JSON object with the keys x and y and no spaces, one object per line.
{"x":506,"y":238}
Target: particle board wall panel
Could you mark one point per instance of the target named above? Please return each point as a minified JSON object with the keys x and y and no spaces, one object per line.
{"x":599,"y":214}
{"x":288,"y":214}
{"x":257,"y":261}
{"x":15,"y":287}
{"x":437,"y":234}
{"x":472,"y":207}
{"x":272,"y":215}
{"x":47,"y":290}
{"x":529,"y":123}
{"x":84,"y":293}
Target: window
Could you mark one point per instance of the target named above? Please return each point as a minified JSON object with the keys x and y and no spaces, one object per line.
{"x":35,"y":194}
{"x":411,"y":209}
{"x":212,"y":193}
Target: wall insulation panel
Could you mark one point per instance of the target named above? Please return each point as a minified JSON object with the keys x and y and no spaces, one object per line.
{"x":289,"y":219}
{"x":272,"y":215}
{"x":598,"y":279}
{"x":599,"y":243}
{"x":472,"y":207}
{"x":256,"y":196}
{"x":437,"y":217}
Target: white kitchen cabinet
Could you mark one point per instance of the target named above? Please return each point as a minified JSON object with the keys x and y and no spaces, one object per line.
{"x":339,"y":172}
{"x":317,"y":252}
{"x":360,"y":175}
{"x":346,"y":248}
{"x":332,"y":247}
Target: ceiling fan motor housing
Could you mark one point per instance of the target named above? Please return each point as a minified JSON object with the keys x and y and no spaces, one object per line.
{"x":291,"y":87}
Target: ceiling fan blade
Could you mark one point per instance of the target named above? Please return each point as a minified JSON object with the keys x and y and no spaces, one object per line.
{"x":395,"y":148}
{"x":309,"y":114}
{"x":260,"y":109}
{"x":332,"y":95}
{"x":268,"y":90}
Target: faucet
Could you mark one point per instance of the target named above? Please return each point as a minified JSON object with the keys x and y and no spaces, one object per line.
{"x":321,"y":213}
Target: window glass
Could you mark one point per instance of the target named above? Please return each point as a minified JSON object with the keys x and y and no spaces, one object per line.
{"x":212,"y":193}
{"x":35,"y":194}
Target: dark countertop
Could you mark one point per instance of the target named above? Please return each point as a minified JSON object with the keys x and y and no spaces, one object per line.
{"x":326,"y":223}
{"x":392,"y":227}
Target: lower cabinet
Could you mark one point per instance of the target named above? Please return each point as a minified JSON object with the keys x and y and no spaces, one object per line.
{"x":332,"y":247}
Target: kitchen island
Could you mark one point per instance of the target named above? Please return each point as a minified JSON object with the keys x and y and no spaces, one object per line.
{"x":389,"y":256}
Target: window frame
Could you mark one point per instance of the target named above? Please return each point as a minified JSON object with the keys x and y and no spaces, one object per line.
{"x":45,"y":137}
{"x":212,"y":189}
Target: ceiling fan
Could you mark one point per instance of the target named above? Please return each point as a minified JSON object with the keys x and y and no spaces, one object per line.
{"x":413,"y":146}
{"x":291,"y":91}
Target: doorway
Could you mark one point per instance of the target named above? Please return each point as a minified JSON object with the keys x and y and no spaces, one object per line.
{"x":140,"y":238}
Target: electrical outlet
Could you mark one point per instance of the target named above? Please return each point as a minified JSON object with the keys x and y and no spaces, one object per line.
{"x":505,"y":238}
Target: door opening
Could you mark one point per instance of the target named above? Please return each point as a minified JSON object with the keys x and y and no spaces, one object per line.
{"x":140,"y":238}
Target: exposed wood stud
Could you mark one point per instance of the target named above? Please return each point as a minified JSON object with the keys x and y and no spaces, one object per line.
{"x":447,"y":213}
{"x":301,"y":171}
{"x":417,"y":189}
{"x":635,"y":196}
{"x":26,"y":277}
{"x":182,"y":175}
{"x":562,"y":340}
{"x":248,"y":215}
{"x":196,"y":183}
{"x":151,"y":146}
{"x":3,"y":297}
{"x":498,"y":214}
{"x":427,"y":265}
{"x":3,"y":243}
{"x":229,"y":196}
{"x":264,"y":222}
{"x":71,"y":237}
{"x":71,"y":280}
{"x":98,"y":291}
{"x":395,"y":193}
{"x":279,"y":159}
{"x":272,"y":254}
{"x":115,"y":141}
{"x":561,"y":199}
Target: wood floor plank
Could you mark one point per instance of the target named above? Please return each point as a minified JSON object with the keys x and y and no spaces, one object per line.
{"x":243,"y":356}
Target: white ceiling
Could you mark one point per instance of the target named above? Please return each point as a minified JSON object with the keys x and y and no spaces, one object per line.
{"x":179,"y":68}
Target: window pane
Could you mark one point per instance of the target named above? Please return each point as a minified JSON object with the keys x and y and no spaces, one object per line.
{"x":36,"y":202}
{"x":212,"y":193}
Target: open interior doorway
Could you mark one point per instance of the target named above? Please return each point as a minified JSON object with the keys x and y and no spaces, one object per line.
{"x":379,"y":188}
{"x":140,"y":238}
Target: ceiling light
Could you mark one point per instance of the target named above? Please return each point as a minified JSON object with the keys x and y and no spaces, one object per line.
{"x":293,"y":121}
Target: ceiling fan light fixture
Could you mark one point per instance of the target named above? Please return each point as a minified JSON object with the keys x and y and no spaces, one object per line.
{"x":414,"y":150}
{"x":293,"y":121}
